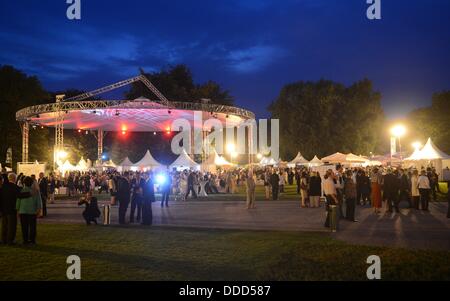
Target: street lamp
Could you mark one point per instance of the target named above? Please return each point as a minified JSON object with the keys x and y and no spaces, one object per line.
{"x":231,"y":150}
{"x":399,"y":131}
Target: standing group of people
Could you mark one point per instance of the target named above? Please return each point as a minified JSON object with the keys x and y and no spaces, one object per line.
{"x":21,"y":199}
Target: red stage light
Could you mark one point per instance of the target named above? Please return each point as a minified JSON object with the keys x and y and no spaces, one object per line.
{"x":124,"y":132}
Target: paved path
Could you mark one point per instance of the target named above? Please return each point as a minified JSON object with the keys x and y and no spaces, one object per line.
{"x":410,"y":228}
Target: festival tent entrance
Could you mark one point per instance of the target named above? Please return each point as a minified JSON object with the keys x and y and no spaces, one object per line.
{"x":126,"y":164}
{"x":298,"y":160}
{"x":147,"y":162}
{"x":184,"y":162}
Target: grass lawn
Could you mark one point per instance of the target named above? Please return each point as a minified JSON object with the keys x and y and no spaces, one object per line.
{"x":171,"y":253}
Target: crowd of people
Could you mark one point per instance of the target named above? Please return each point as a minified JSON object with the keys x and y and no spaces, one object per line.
{"x":26,"y":197}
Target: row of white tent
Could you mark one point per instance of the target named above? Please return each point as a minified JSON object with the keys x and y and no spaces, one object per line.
{"x":350,"y":159}
{"x":148,"y":162}
{"x":428,"y":153}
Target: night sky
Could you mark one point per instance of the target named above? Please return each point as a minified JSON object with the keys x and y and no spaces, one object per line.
{"x":251,"y":47}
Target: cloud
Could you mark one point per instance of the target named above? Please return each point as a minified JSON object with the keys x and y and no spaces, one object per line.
{"x":254,"y":58}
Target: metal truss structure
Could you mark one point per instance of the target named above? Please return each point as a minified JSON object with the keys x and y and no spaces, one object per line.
{"x":142,"y":78}
{"x":27,"y":113}
{"x":77,"y":103}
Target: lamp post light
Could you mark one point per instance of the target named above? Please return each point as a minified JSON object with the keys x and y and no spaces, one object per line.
{"x":417,"y":145}
{"x":399,"y":131}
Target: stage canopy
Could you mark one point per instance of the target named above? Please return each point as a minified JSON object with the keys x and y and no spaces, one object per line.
{"x":184,"y":162}
{"x":139,"y":115}
{"x":298,"y":160}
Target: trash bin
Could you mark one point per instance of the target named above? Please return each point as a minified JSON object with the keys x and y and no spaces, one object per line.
{"x":106,"y":214}
{"x":334,"y":218}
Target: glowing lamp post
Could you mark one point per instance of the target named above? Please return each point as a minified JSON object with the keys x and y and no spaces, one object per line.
{"x":231,"y":149}
{"x":397,"y":132}
{"x":417,"y":145}
{"x":57,"y":155}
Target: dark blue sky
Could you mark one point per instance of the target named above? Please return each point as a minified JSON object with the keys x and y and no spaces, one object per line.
{"x":251,"y":47}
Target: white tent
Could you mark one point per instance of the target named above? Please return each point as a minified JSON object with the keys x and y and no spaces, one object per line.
{"x":431,"y":152}
{"x":268,"y":161}
{"x":315,"y":161}
{"x":109,"y":163}
{"x":184,"y":162}
{"x":429,"y":155}
{"x":344,"y":159}
{"x":126,"y":164}
{"x":415,"y":156}
{"x":298,"y":160}
{"x":66,"y":166}
{"x":214,"y":160}
{"x":82,"y":165}
{"x":147,"y":162}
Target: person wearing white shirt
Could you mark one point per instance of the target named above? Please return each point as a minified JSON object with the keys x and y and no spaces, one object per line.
{"x":329,"y":189}
{"x":415,"y":189}
{"x":423,"y":184}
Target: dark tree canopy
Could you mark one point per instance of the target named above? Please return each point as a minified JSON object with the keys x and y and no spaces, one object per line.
{"x":17,"y":90}
{"x":433,"y":121}
{"x":320,"y":118}
{"x":177,"y":84}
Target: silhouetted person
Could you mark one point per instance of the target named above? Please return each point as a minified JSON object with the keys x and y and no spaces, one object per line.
{"x":165,"y":189}
{"x":123,"y":196}
{"x":91,"y":211}
{"x":190,"y":184}
{"x":43,"y":188}
{"x":274,"y":182}
{"x":390,"y":191}
{"x":148,"y":198}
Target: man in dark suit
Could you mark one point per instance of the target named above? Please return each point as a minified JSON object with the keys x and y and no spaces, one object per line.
{"x":123,"y":196}
{"x":190,"y":184}
{"x":165,"y":189}
{"x":9,"y":192}
{"x":404,"y":187}
{"x":43,"y":188}
{"x":147,"y":199}
{"x":275,"y":182}
{"x":390,"y":190}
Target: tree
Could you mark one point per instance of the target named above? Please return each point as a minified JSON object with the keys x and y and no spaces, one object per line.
{"x":17,"y":90}
{"x":433,"y":121}
{"x":320,"y":118}
{"x":177,"y":84}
